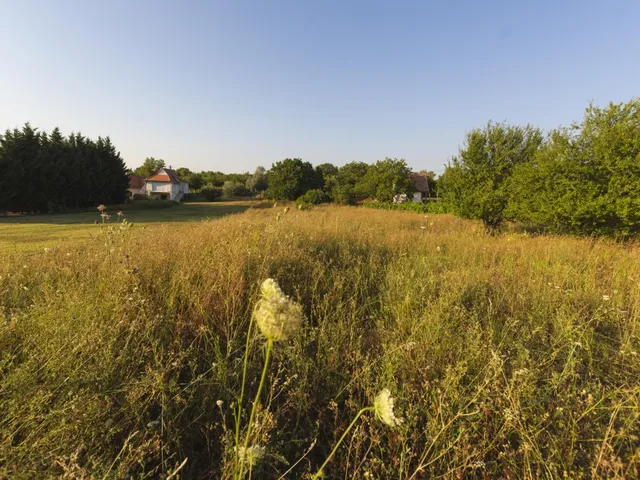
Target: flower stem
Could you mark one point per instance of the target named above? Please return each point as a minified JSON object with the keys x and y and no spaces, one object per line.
{"x":255,"y":402}
{"x":318,"y":474}
{"x":244,"y":381}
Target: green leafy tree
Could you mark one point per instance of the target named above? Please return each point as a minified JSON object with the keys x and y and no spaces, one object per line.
{"x":291,"y":178}
{"x":194,"y":179}
{"x":232,"y":189}
{"x":476,"y":183}
{"x":348,"y":187}
{"x":328,"y":172}
{"x":258,"y":181}
{"x":387,"y":178}
{"x":149,"y":167}
{"x":586,"y":179}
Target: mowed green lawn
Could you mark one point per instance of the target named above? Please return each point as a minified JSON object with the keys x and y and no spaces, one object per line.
{"x":42,"y":231}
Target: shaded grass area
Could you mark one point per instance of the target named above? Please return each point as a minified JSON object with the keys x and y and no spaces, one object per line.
{"x":509,"y":357}
{"x":44,"y":231}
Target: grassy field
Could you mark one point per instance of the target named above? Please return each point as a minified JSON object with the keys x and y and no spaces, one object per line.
{"x":36,"y":232}
{"x":122,"y":353}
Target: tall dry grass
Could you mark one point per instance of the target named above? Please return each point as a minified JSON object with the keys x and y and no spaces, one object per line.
{"x":512,"y":357}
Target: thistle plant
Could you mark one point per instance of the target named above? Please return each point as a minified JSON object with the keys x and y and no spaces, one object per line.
{"x":278,"y":318}
{"x":383,"y":410}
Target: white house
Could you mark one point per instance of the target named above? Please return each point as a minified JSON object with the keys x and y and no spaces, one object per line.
{"x":166,"y":184}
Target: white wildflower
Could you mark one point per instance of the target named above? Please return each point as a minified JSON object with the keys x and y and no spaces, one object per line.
{"x":606,"y":298}
{"x":383,"y":408}
{"x":219,"y":403}
{"x":252,"y":455}
{"x":278,"y":316}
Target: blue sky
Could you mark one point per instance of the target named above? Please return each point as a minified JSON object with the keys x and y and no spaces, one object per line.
{"x":231,"y":85}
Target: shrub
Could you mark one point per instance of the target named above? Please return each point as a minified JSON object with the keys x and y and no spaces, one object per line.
{"x":211,"y":193}
{"x":586,"y":179}
{"x":429,"y":207}
{"x":314,"y":197}
{"x":232,"y":189}
{"x":344,"y":195}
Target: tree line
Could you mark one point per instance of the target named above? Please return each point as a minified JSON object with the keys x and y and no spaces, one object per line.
{"x":49,"y":172}
{"x":581,"y":179}
{"x":295,"y":179}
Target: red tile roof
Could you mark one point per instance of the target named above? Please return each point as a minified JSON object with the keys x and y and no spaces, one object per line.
{"x":169,"y":176}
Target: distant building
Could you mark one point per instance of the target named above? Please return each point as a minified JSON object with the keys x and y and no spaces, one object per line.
{"x":421,"y":184}
{"x":136,"y":185}
{"x":167,"y":185}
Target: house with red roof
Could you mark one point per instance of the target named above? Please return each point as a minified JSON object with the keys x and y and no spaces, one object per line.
{"x":166,"y":185}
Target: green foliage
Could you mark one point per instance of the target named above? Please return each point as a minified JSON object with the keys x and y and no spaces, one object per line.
{"x":314,"y":197}
{"x":149,"y":167}
{"x":232,"y":189}
{"x":291,"y":178}
{"x":387,"y":178}
{"x":42,"y":173}
{"x":431,"y":181}
{"x":328,"y":173}
{"x":348,"y":187}
{"x":194,"y":179}
{"x":211,"y":193}
{"x":586,"y":179}
{"x":476,"y":183}
{"x":258,"y":181}
{"x":418,"y":207}
{"x":344,"y":194}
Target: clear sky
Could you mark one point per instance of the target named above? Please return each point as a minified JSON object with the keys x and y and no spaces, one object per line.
{"x":230,"y":85}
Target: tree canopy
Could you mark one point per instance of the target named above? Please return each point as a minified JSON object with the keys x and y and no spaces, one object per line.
{"x":586,"y":178}
{"x":476,"y":183}
{"x":48,"y":173}
{"x":149,"y":167}
{"x":291,"y":178}
{"x":387,"y":178}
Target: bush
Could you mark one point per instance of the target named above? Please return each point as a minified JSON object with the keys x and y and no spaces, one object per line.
{"x":211,"y":193}
{"x":429,"y":207}
{"x":314,"y":197}
{"x":586,"y":179}
{"x":232,"y":189}
{"x":344,"y":195}
{"x":139,"y":196}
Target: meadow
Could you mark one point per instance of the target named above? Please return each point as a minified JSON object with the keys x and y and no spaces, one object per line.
{"x":125,"y":353}
{"x":36,"y":232}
